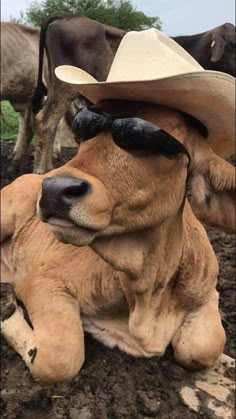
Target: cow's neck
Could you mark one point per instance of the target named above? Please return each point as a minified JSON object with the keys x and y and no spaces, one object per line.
{"x":133,"y":253}
{"x":148,"y":261}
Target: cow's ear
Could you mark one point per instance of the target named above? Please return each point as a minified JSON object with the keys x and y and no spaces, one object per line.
{"x":212,"y":192}
{"x":217,"y":46}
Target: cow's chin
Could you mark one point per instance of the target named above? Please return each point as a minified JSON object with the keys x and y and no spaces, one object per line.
{"x":70,"y":233}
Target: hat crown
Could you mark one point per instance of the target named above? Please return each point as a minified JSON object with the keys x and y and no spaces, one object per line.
{"x":149,"y":55}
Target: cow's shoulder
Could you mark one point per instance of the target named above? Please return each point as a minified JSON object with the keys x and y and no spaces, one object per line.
{"x":19,"y":199}
{"x":25,"y":189}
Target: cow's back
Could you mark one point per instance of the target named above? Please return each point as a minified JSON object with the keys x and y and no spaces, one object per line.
{"x":19,"y":64}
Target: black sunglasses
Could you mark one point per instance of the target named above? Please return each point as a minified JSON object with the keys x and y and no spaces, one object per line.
{"x":129,"y":133}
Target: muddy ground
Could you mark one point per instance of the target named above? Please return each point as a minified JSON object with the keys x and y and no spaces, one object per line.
{"x":111,"y":384}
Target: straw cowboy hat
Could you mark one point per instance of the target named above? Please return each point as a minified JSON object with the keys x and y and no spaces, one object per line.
{"x":151,"y":67}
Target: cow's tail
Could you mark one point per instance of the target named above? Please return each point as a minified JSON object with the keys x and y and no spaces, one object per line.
{"x":41,"y":91}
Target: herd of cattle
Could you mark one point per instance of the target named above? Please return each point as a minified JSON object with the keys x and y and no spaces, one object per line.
{"x":30,"y":55}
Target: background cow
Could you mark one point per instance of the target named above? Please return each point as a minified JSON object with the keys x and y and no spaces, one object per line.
{"x":214,"y":49}
{"x":73,"y":40}
{"x":19,"y":70}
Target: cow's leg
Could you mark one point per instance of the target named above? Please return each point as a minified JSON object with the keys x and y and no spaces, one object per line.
{"x":64,"y":138}
{"x":200,"y":340}
{"x":156,"y":325}
{"x":14,"y":327}
{"x":57,"y":142}
{"x":56,"y":343}
{"x":24,"y":136}
{"x":46,"y":122}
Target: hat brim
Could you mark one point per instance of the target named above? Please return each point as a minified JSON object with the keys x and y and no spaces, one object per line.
{"x":207,"y":95}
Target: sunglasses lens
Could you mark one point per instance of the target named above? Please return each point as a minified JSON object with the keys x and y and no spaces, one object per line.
{"x":133,"y":133}
{"x":168,"y":144}
{"x":140,"y":135}
{"x":87,"y":124}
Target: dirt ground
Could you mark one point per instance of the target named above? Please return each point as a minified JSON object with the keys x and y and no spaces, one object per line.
{"x":111,"y":384}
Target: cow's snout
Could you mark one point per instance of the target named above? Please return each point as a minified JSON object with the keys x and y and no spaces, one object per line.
{"x":59,"y":193}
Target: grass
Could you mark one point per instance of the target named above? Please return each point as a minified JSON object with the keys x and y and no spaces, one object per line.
{"x":9,"y":122}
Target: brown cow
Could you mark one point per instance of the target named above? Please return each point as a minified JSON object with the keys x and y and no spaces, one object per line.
{"x":144,"y":274}
{"x":70,"y":40}
{"x":147,"y":277}
{"x":214,"y":49}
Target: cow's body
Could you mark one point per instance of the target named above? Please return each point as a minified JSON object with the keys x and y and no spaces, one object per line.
{"x":146,"y":274}
{"x":19,"y":65}
{"x":101,"y":292}
{"x":214,"y":49}
{"x":73,"y":40}
{"x":19,"y":71}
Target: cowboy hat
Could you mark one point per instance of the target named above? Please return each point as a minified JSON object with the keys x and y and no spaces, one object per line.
{"x":151,"y":67}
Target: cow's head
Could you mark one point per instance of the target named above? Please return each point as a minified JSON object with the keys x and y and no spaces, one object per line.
{"x":223,"y":47}
{"x":111,"y":189}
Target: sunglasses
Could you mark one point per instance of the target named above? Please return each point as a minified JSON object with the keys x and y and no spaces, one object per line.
{"x":129,"y":133}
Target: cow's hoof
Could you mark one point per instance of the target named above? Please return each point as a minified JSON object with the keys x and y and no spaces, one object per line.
{"x":8,"y":300}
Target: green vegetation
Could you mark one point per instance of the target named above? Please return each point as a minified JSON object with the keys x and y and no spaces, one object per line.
{"x":9,"y":122}
{"x":119,"y":13}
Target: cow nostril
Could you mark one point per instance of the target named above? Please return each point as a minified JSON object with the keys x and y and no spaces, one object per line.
{"x":76,"y":191}
{"x":59,"y":193}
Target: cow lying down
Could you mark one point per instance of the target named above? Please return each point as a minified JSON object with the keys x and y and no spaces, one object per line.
{"x":133,"y":265}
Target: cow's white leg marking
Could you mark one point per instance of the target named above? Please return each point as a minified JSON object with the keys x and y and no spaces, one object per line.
{"x":14,"y":327}
{"x":24,"y":136}
{"x":46,"y":122}
{"x":20,"y":336}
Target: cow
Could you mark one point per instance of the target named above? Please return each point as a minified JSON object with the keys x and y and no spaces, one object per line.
{"x":117,"y":250}
{"x":73,"y":40}
{"x":214,"y":49}
{"x":19,"y":70}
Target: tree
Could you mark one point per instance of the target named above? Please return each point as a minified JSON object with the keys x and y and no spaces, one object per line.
{"x":119,"y":13}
